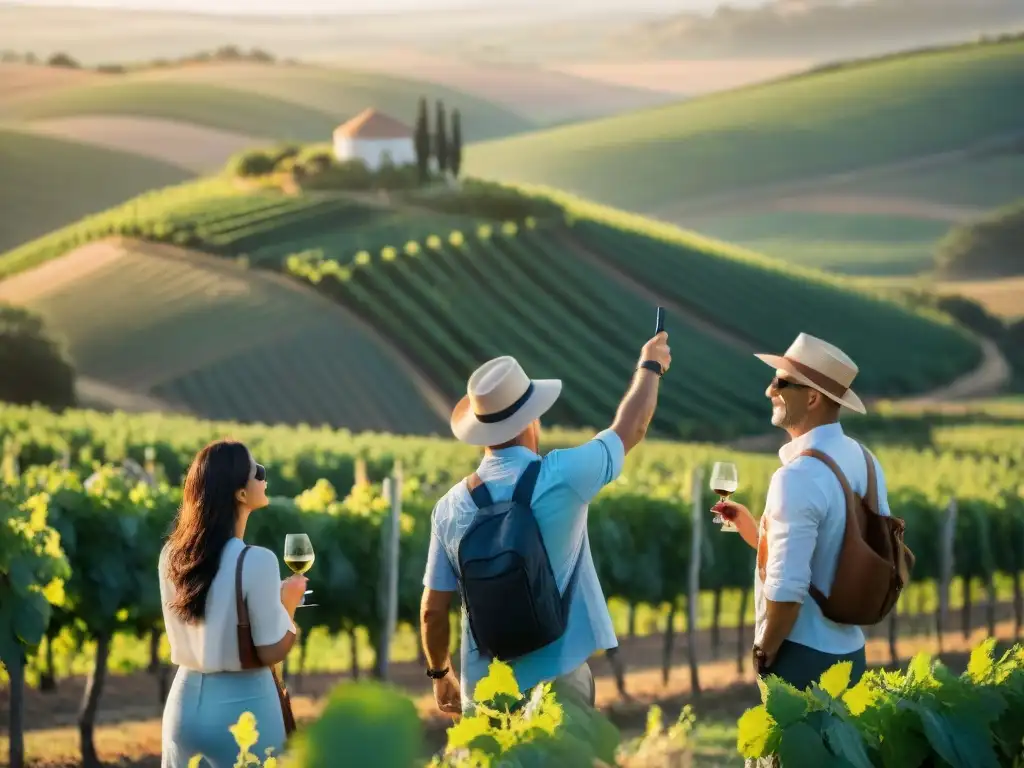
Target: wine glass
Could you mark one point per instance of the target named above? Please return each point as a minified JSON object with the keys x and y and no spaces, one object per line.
{"x":724,"y":481}
{"x":299,"y":557}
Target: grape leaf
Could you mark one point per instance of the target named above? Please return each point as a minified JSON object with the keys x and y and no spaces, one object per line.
{"x":981,"y":662}
{"x":757,"y":734}
{"x":836,"y":678}
{"x":801,"y":746}
{"x":784,"y":704}
{"x":939,"y":733}
{"x":847,"y":742}
{"x":903,"y":745}
{"x":31,"y":615}
{"x":21,"y":574}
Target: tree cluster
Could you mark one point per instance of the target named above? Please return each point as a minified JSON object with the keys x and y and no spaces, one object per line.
{"x":439,"y":148}
{"x":61,"y":59}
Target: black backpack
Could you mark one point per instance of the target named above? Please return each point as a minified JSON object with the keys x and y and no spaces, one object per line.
{"x":507,"y":584}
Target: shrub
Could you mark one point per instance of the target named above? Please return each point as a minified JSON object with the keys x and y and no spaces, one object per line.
{"x":35,"y":367}
{"x":924,"y":716}
{"x":253,"y":162}
{"x":988,"y":247}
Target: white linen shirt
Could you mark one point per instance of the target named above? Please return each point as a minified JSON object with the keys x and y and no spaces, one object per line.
{"x":806,"y":513}
{"x":211,"y":645}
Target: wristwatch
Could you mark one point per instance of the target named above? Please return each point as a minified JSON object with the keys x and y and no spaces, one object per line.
{"x":652,"y":365}
{"x":437,"y":674}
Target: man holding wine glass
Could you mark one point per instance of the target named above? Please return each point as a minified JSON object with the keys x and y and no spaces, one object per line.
{"x":512,"y":538}
{"x":800,"y":535}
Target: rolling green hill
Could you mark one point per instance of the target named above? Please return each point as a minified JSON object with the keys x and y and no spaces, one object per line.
{"x":569,"y":293}
{"x":46,"y":183}
{"x":802,"y":127}
{"x":275,"y":101}
{"x":221,"y":341}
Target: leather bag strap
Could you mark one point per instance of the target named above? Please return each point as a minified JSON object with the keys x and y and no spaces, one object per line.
{"x":871,"y":494}
{"x":817,"y":594}
{"x":240,"y":606}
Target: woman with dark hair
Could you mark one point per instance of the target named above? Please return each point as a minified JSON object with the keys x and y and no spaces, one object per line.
{"x":197,"y":568}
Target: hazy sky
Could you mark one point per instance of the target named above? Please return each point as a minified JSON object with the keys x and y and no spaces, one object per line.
{"x":364,"y":6}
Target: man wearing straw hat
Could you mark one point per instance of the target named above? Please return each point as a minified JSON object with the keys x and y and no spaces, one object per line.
{"x":501,"y":413}
{"x":800,"y":534}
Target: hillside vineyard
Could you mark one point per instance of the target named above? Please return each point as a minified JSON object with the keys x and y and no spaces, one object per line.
{"x":544,"y":289}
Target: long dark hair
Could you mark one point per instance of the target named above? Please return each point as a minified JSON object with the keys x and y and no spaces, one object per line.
{"x":205,"y":523}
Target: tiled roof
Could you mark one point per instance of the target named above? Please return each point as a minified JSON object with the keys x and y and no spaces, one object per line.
{"x":371,"y":124}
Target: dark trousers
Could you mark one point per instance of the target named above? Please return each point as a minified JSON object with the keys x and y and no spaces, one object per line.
{"x":800,"y":666}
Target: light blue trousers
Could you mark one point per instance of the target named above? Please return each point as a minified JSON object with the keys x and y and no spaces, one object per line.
{"x":201,"y":707}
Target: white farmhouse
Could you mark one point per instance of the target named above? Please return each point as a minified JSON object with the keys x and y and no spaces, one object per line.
{"x":371,"y":137}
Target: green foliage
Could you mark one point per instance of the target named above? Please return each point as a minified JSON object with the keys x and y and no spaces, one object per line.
{"x":33,"y":569}
{"x":988,"y":247}
{"x":45,"y":375}
{"x":252,"y":162}
{"x":901,"y":719}
{"x":373,"y":724}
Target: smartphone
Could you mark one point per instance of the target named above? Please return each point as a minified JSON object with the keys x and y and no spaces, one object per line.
{"x":660,"y":326}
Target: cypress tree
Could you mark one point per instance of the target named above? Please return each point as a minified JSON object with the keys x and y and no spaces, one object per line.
{"x":422,"y":141}
{"x":441,"y":140}
{"x":455,"y":148}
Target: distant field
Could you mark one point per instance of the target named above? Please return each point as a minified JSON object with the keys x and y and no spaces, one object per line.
{"x":686,"y":77}
{"x":277,"y":101}
{"x":192,"y":147}
{"x":880,"y":222}
{"x":1004,"y":297}
{"x":207,"y":105}
{"x":223,"y":342}
{"x":343,"y":93}
{"x":24,"y":79}
{"x":544,"y":94}
{"x":46,"y":183}
{"x":849,"y":244}
{"x":773,"y":133}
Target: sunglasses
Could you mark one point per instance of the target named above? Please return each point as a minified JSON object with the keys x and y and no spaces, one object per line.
{"x":261,"y":473}
{"x":778,"y":383}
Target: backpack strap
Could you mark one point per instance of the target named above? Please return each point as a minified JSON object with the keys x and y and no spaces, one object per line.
{"x":478,"y":491}
{"x":523,"y":493}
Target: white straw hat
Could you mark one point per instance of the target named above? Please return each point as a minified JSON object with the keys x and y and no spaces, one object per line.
{"x":500,"y":402}
{"x":820,"y":365}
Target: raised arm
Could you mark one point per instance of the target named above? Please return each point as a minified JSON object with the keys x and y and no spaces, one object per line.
{"x":637,"y":407}
{"x":271,"y":603}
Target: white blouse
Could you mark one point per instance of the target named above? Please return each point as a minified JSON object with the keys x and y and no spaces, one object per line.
{"x":211,"y":645}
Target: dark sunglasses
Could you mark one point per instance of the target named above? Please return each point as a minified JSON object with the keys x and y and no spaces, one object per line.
{"x":261,"y":473}
{"x":778,"y":383}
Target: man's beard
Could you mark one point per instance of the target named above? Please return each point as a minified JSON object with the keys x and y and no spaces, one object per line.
{"x":780,"y":415}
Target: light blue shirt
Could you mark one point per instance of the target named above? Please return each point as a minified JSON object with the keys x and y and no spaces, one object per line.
{"x":569,"y":478}
{"x":805,"y":512}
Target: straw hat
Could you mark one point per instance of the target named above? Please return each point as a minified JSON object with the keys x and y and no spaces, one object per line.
{"x":820,"y":365}
{"x":500,"y":402}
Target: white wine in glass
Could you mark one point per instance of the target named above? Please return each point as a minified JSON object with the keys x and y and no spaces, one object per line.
{"x":299,"y":556}
{"x":724,"y":481}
